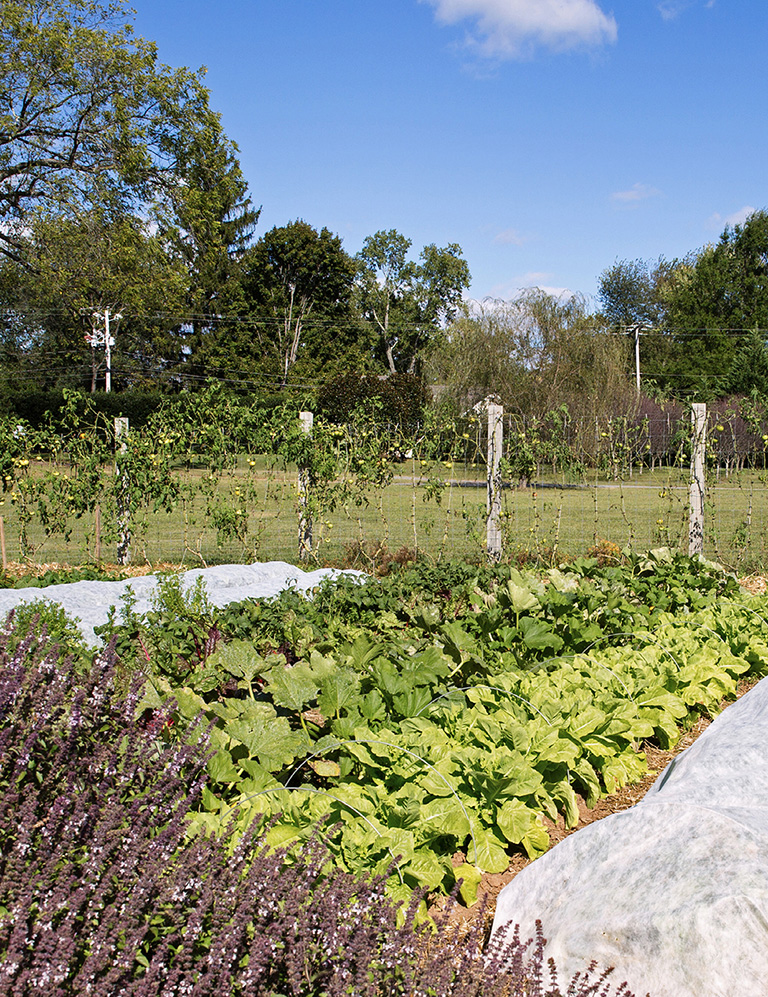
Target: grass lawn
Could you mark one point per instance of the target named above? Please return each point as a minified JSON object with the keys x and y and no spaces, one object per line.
{"x":555,"y":517}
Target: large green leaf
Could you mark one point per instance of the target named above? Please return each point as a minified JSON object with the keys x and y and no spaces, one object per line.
{"x":293,"y":686}
{"x":520,"y":599}
{"x":272,"y":742}
{"x":563,"y":793}
{"x":240,"y":659}
{"x":470,"y":878}
{"x":221,"y":768}
{"x":515,"y":820}
{"x":338,"y":690}
{"x":665,"y":700}
{"x":539,"y":635}
{"x":425,"y":869}
{"x":444,"y":816}
{"x":411,"y":703}
{"x":536,"y":841}
{"x":491,"y":856}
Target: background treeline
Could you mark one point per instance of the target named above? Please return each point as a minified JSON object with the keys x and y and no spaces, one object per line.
{"x":127,"y":228}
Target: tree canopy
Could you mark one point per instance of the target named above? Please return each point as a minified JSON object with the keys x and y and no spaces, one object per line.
{"x":298,"y":283}
{"x":704,"y":318}
{"x":407,"y":302}
{"x":86,"y":111}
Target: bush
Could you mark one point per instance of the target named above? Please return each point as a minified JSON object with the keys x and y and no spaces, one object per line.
{"x":400,"y":398}
{"x":102,"y":892}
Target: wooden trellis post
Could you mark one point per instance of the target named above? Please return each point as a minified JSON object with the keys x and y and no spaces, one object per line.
{"x":698,"y":454}
{"x":305,"y":512}
{"x":123,"y":494}
{"x":495,"y":444}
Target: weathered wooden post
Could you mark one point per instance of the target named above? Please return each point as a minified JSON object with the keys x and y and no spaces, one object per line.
{"x":97,"y":532}
{"x":698,"y":453}
{"x":305,"y":512}
{"x":2,"y":543}
{"x":123,"y":493}
{"x":495,"y":444}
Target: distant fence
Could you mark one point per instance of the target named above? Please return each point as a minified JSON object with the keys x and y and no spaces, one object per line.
{"x":488,"y":484}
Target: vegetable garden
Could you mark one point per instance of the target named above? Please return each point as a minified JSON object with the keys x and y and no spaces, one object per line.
{"x":426,"y":726}
{"x":430,"y":723}
{"x":444,"y":711}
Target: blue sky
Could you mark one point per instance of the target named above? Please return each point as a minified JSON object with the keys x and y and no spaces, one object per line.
{"x":547,"y":137}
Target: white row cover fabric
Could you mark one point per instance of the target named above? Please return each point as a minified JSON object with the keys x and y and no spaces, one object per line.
{"x":674,"y":892}
{"x":90,"y":601}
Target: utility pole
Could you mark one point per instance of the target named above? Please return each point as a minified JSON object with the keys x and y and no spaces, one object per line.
{"x":637,"y":356}
{"x":103,"y":337}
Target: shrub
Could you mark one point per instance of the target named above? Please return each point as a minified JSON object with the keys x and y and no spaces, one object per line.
{"x":101,"y":891}
{"x":401,"y":397}
{"x":375,"y":556}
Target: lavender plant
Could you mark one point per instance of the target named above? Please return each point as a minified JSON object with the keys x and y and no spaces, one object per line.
{"x":102,"y":891}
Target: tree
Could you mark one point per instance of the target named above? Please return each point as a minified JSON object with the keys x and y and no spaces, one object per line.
{"x":409,"y":303}
{"x":84,"y":108}
{"x":748,"y":374}
{"x":721,"y":298}
{"x":208,"y":222}
{"x":537,"y":352}
{"x":699,"y":311}
{"x":299,"y":285}
{"x":631,"y":293}
{"x":77,"y":270}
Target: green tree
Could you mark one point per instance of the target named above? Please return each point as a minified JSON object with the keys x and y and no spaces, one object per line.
{"x":717,"y":301}
{"x":298,"y":283}
{"x":76,"y":270}
{"x":537,"y":353}
{"x":87,"y":115}
{"x":748,"y":374}
{"x":208,"y":223}
{"x":631,"y":292}
{"x":409,"y":303}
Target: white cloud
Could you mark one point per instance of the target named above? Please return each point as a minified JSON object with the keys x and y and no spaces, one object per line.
{"x":509,"y":28}
{"x":718,"y":221}
{"x":670,"y":9}
{"x":510,"y":237}
{"x":637,"y":192}
{"x":513,"y":288}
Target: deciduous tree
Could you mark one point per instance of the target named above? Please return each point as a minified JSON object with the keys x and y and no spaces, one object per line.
{"x":408,"y":303}
{"x":299,"y":285}
{"x":85,"y":107}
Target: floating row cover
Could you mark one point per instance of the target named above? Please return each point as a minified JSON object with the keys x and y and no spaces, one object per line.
{"x":674,"y":892}
{"x":89,"y":601}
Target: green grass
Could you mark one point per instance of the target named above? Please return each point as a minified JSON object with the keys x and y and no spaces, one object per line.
{"x":558,"y":518}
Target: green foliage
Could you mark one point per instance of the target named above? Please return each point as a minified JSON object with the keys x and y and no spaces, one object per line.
{"x":298,"y":286}
{"x":450,"y":708}
{"x":48,"y":622}
{"x":398,"y":398}
{"x":88,"y":109}
{"x":408,"y":303}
